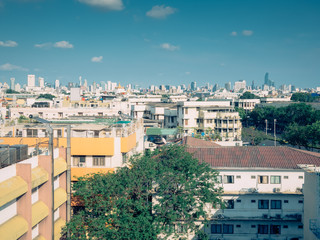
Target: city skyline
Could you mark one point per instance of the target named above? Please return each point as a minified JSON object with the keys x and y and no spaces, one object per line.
{"x":160,"y":42}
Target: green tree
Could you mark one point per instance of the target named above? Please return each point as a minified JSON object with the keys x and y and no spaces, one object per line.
{"x":296,"y":135}
{"x":46,"y":96}
{"x":149,"y":197}
{"x":252,"y":135}
{"x":249,"y":95}
{"x":303,"y":97}
{"x":11,"y":91}
{"x":242,"y":113}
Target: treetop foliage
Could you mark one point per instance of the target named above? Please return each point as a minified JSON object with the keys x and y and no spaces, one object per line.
{"x":147,"y":199}
{"x":249,"y":95}
{"x":304,"y":97}
{"x":46,"y":96}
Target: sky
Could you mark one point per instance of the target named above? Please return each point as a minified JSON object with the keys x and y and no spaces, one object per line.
{"x":154,"y":42}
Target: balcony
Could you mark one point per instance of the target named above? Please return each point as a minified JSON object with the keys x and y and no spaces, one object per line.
{"x":314,"y":227}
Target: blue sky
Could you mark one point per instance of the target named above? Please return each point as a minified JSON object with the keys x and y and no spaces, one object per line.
{"x":157,"y":42}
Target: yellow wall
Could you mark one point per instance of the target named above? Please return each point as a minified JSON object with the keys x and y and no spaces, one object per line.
{"x":127,"y":143}
{"x":81,"y":172}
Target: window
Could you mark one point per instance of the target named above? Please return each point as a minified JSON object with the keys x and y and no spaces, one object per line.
{"x":285,"y":226}
{"x":286,"y":201}
{"x":253,"y":201}
{"x":227,"y":228}
{"x":253,"y":177}
{"x":99,"y":161}
{"x":286,"y":177}
{"x":229,"y":204}
{"x":300,"y":226}
{"x":228,"y":179}
{"x":275,"y":204}
{"x":275,"y":229}
{"x":253,"y":226}
{"x":185,"y":110}
{"x":300,"y":201}
{"x":186,"y":122}
{"x":300,"y":177}
{"x":263,"y":204}
{"x":263,"y":179}
{"x":263,"y":229}
{"x":59,"y":133}
{"x":275,"y":179}
{"x":238,"y":200}
{"x":215,"y":228}
{"x":79,"y":161}
{"x":238,"y":226}
{"x":238,"y":176}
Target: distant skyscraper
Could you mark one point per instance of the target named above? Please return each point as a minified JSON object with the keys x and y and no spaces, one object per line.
{"x":80,"y":81}
{"x":193,"y":86}
{"x":241,"y":84}
{"x":85,"y":84}
{"x":31,"y":80}
{"x":252,"y":86}
{"x":41,"y":82}
{"x":57,"y":84}
{"x":267,"y":81}
{"x":215,"y":87}
{"x":12,"y":80}
{"x":227,"y":86}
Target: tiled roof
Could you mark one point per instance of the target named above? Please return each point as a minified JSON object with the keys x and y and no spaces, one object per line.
{"x":195,"y":142}
{"x":254,"y":157}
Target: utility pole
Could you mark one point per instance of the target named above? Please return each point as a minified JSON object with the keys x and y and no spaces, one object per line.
{"x":68,"y":175}
{"x":275,"y":135}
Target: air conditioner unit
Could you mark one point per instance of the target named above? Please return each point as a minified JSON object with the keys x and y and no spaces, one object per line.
{"x":276,"y":190}
{"x":81,"y":165}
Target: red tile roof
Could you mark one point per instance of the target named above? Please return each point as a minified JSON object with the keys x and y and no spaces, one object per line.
{"x":195,"y":142}
{"x":254,"y":157}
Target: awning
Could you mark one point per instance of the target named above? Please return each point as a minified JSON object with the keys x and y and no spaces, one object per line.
{"x":13,"y":228}
{"x":39,"y":237}
{"x":58,"y":225}
{"x":60,"y":165}
{"x":39,"y":212}
{"x":161,"y":131}
{"x":11,"y":189}
{"x":60,"y":197}
{"x":39,"y":176}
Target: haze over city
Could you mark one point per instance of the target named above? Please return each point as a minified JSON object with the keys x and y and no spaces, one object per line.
{"x":161,"y":42}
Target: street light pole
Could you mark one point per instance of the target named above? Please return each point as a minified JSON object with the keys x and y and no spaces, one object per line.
{"x":275,"y":135}
{"x":266,"y":126}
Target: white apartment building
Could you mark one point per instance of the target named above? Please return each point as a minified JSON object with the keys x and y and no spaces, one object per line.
{"x":263,"y":192}
{"x":311,"y":191}
{"x":246,"y":104}
{"x":215,"y":116}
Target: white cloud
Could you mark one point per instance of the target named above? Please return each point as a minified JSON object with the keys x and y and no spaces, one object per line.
{"x":114,"y":5}
{"x":188,"y":73}
{"x":63,"y":44}
{"x":97,"y":59}
{"x":43,"y":45}
{"x":8,"y":43}
{"x":247,"y":32}
{"x":11,"y":67}
{"x":169,"y":47}
{"x":160,"y":12}
{"x":233,"y":33}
